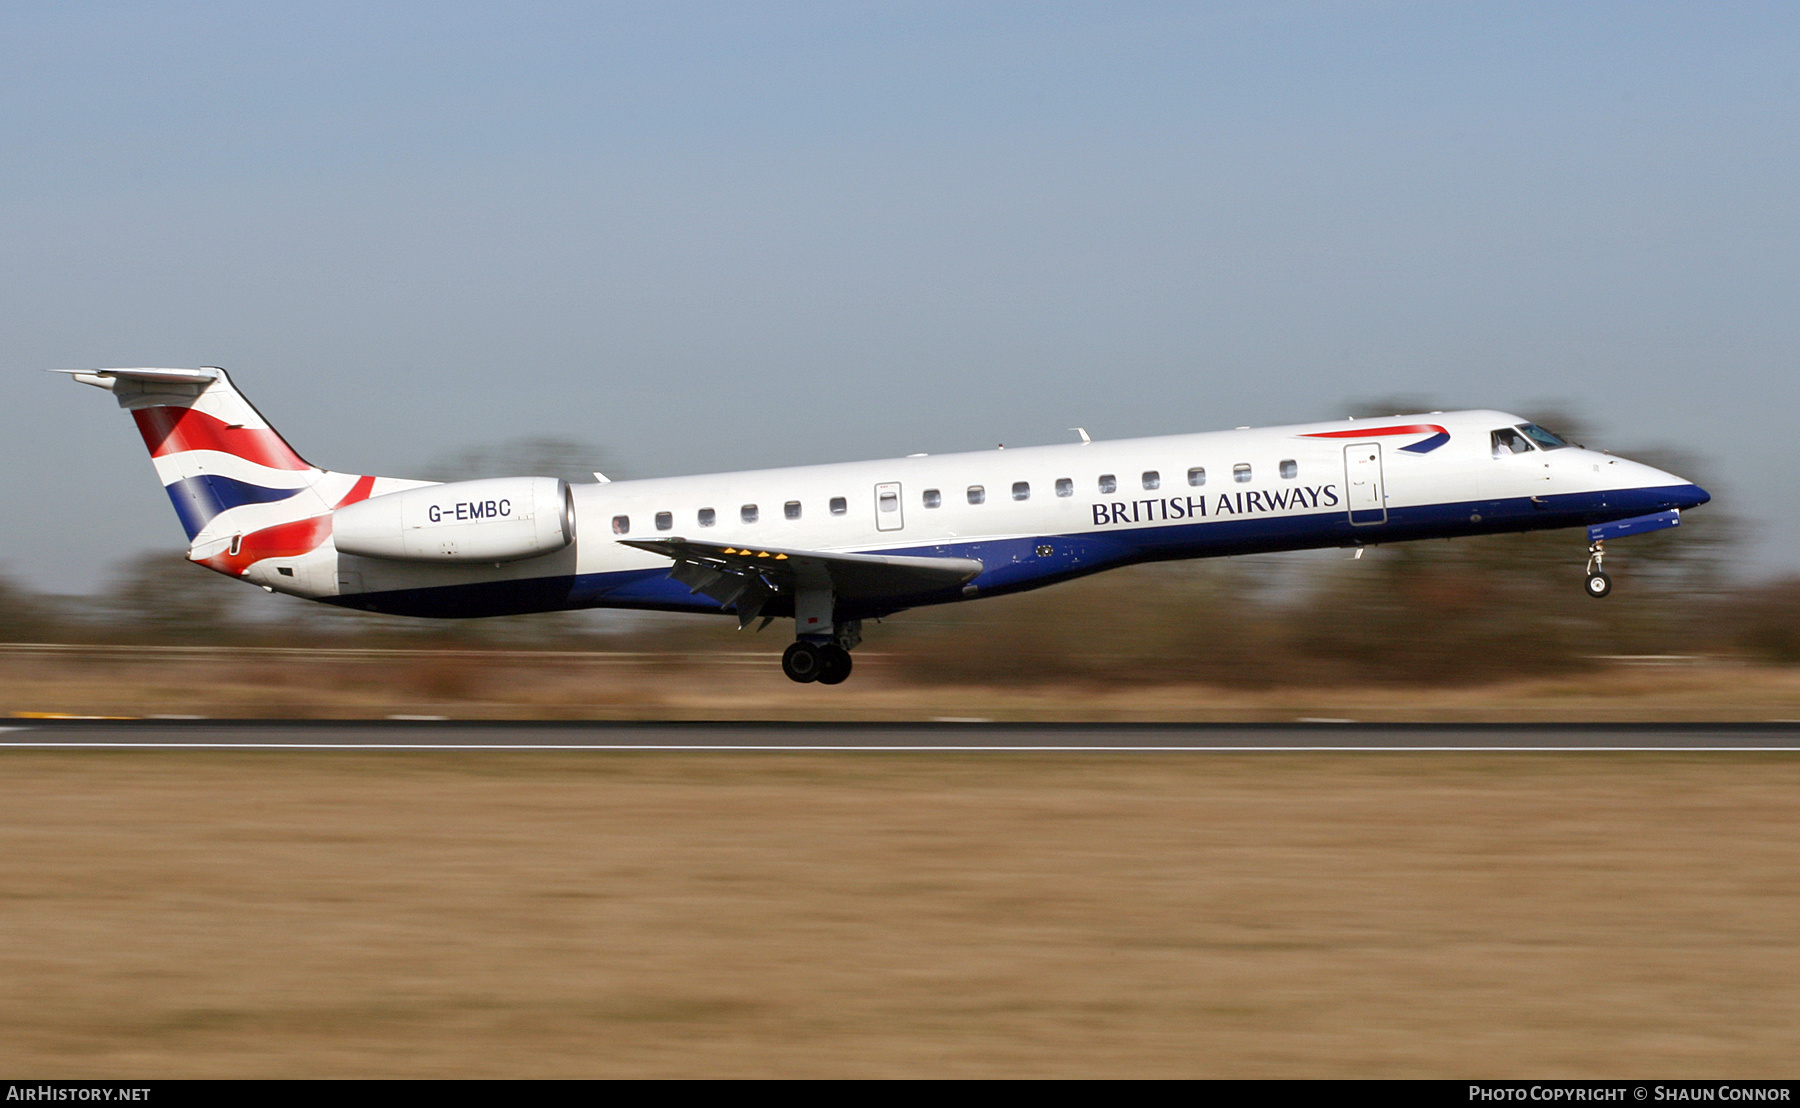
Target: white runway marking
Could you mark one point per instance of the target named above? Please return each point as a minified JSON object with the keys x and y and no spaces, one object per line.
{"x":792,"y":748}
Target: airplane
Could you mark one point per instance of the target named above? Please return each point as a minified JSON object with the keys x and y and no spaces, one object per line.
{"x":832,"y":546}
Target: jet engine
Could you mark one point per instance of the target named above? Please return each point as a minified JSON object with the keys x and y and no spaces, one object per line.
{"x":500,"y":520}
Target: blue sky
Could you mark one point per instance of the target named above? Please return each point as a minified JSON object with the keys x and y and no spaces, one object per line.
{"x":721,"y":236}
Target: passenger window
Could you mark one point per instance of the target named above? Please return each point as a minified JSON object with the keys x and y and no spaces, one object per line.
{"x":1508,"y":442}
{"x":621,"y":525}
{"x":1152,"y":479}
{"x":1065,"y":487}
{"x":791,"y":509}
{"x":1197,"y":476}
{"x":708,"y":517}
{"x":888,"y":499}
{"x":1241,"y":472}
{"x":977,"y":494}
{"x":839,"y":506}
{"x":665,"y":520}
{"x":933,"y":498}
{"x":747,"y":513}
{"x":1021,"y":490}
{"x":1290,"y":468}
{"x":1109,"y":483}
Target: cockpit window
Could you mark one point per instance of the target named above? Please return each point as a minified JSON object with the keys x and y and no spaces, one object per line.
{"x":1546,"y":440}
{"x":1508,"y":442}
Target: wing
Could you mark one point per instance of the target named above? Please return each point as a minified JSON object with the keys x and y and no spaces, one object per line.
{"x":748,"y":576}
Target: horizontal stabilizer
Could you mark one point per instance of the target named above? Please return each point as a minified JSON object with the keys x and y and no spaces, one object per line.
{"x":152,"y":387}
{"x":103,"y":377}
{"x":720,"y":570}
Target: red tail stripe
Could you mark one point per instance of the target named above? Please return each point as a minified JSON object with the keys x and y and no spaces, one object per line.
{"x":173,"y":430}
{"x":358,"y":492}
{"x":284,"y":540}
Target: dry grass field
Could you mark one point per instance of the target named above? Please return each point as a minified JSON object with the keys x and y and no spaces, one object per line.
{"x":478,"y":914}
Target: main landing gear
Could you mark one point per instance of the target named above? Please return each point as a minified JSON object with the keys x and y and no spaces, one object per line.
{"x":1598,"y":583}
{"x":826,"y":663}
{"x":822,"y":643}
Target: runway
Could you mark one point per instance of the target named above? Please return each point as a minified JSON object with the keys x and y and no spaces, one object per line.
{"x":971,"y":737}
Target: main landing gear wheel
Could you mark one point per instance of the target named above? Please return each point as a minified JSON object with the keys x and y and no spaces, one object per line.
{"x":803,"y":662}
{"x":834,"y":664}
{"x":1598,"y":585}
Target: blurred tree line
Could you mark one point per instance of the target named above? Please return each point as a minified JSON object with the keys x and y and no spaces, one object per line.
{"x":1433,"y":612}
{"x":1439,"y":611}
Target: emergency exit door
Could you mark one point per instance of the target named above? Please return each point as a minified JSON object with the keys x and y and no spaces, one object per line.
{"x":888,"y":513}
{"x":1364,"y":493}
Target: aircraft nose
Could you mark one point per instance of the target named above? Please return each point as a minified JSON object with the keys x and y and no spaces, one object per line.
{"x":1683,"y":493}
{"x":1658,"y":489}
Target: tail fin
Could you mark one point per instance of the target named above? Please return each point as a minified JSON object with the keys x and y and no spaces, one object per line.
{"x":240,"y":490}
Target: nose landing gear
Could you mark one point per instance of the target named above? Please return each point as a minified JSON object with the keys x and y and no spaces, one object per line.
{"x":1598,"y":583}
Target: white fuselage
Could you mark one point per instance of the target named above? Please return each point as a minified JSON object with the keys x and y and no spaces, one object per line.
{"x":1103,"y":503}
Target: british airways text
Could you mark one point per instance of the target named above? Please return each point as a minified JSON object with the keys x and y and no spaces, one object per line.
{"x":1225,"y":504}
{"x":470,"y":509}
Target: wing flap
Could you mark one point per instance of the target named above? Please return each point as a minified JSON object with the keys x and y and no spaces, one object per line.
{"x":730,"y":574}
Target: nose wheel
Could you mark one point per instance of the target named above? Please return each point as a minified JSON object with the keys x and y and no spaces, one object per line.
{"x":1598,"y":583}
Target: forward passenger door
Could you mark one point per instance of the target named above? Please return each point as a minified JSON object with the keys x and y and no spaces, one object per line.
{"x":1365,"y":494}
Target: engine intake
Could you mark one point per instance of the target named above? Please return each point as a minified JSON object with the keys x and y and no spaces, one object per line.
{"x":505,"y":519}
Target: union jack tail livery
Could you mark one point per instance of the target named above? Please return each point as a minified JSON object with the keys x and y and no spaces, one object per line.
{"x":241,"y":492}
